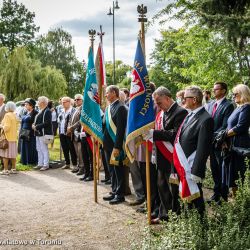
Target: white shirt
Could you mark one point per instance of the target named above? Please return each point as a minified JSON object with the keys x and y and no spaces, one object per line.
{"x":192,"y":114}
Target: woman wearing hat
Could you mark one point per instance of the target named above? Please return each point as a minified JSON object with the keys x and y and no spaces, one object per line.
{"x":27,"y":135}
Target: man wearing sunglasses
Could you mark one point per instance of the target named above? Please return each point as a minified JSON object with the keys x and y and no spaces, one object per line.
{"x":74,"y":130}
{"x":192,"y":148}
{"x":219,"y":110}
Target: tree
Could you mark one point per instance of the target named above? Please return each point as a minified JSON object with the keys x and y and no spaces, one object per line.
{"x":16,"y":25}
{"x":193,"y":56}
{"x":55,"y":49}
{"x":121,"y":71}
{"x":24,"y":77}
{"x":229,"y":19}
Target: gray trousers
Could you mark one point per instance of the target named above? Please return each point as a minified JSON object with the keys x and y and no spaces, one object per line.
{"x":78,"y":149}
{"x":137,"y":180}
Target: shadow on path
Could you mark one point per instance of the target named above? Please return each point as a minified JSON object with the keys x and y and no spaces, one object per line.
{"x":27,"y":180}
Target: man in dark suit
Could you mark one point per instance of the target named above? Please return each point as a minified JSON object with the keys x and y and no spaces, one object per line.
{"x":115,"y":121}
{"x":168,"y":122}
{"x":195,"y":137}
{"x":220,"y":110}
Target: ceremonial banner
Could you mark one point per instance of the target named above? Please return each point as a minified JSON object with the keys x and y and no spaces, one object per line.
{"x":100,"y":74}
{"x":91,"y":112}
{"x":141,"y":114}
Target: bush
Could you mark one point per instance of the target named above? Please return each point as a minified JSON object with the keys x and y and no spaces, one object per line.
{"x":223,"y":227}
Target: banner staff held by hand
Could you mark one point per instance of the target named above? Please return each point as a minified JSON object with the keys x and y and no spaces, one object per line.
{"x":142,"y":10}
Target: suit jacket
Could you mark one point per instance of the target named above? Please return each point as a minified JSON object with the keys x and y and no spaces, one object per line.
{"x":74,"y":121}
{"x":2,"y":112}
{"x":171,"y":123}
{"x":119,"y":116}
{"x":221,"y":115}
{"x":197,"y":135}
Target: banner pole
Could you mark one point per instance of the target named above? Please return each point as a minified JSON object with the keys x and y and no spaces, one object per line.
{"x":148,"y":184}
{"x":94,"y":170}
{"x":98,"y":162}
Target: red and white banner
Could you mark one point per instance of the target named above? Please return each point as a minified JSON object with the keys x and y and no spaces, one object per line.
{"x":188,"y":188}
{"x":100,"y":72}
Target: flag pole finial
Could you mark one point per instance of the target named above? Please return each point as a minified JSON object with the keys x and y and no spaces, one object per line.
{"x":101,"y":34}
{"x":92,"y":34}
{"x":142,"y":11}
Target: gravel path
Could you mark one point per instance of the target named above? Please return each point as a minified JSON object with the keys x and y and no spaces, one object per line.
{"x":53,"y":210}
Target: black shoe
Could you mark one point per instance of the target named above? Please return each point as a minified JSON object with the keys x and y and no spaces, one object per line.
{"x":142,"y":210}
{"x":75,"y":170}
{"x":108,"y":197}
{"x":89,"y":178}
{"x":105,"y":180}
{"x":83,"y":178}
{"x":80,"y":173}
{"x":215,"y":198}
{"x":108,"y":182}
{"x":136,"y":202}
{"x":117,"y":200}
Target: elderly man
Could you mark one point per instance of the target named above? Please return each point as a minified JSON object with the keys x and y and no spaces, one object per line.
{"x":74,"y":130}
{"x":2,"y":105}
{"x":66,"y":139}
{"x":168,"y":121}
{"x":114,"y":132}
{"x":192,"y":148}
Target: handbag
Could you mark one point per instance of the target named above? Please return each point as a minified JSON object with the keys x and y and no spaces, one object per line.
{"x":24,"y":134}
{"x":48,"y":139}
{"x":3,"y":141}
{"x":77,"y":136}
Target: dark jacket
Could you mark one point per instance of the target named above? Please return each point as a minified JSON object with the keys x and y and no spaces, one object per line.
{"x":197,"y":135}
{"x":43,"y":123}
{"x":171,"y":123}
{"x":239,"y":121}
{"x":221,"y":115}
{"x":119,"y":116}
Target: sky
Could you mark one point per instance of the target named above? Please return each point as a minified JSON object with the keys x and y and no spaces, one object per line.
{"x":78,"y":16}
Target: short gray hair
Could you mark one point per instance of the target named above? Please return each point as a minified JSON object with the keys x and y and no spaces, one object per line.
{"x":10,"y":107}
{"x":78,"y":96}
{"x":2,"y":96}
{"x":43,"y":99}
{"x":162,"y":91}
{"x":195,"y":92}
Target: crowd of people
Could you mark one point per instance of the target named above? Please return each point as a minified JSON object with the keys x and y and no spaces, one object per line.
{"x":192,"y":127}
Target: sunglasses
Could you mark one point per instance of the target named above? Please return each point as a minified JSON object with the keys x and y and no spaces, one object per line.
{"x":186,"y":97}
{"x":78,"y":99}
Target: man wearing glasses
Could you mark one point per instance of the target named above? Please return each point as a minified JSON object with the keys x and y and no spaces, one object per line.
{"x":74,"y":130}
{"x":192,"y":148}
{"x":219,"y":110}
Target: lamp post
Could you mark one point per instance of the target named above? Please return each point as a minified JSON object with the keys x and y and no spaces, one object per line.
{"x":112,"y":13}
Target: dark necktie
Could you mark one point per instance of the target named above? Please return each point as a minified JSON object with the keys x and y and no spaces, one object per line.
{"x":187,"y":118}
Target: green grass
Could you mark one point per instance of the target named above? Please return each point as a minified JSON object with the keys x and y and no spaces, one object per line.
{"x":53,"y":153}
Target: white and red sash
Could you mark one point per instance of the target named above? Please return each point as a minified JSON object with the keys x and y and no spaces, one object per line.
{"x":165,"y":147}
{"x":188,"y":188}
